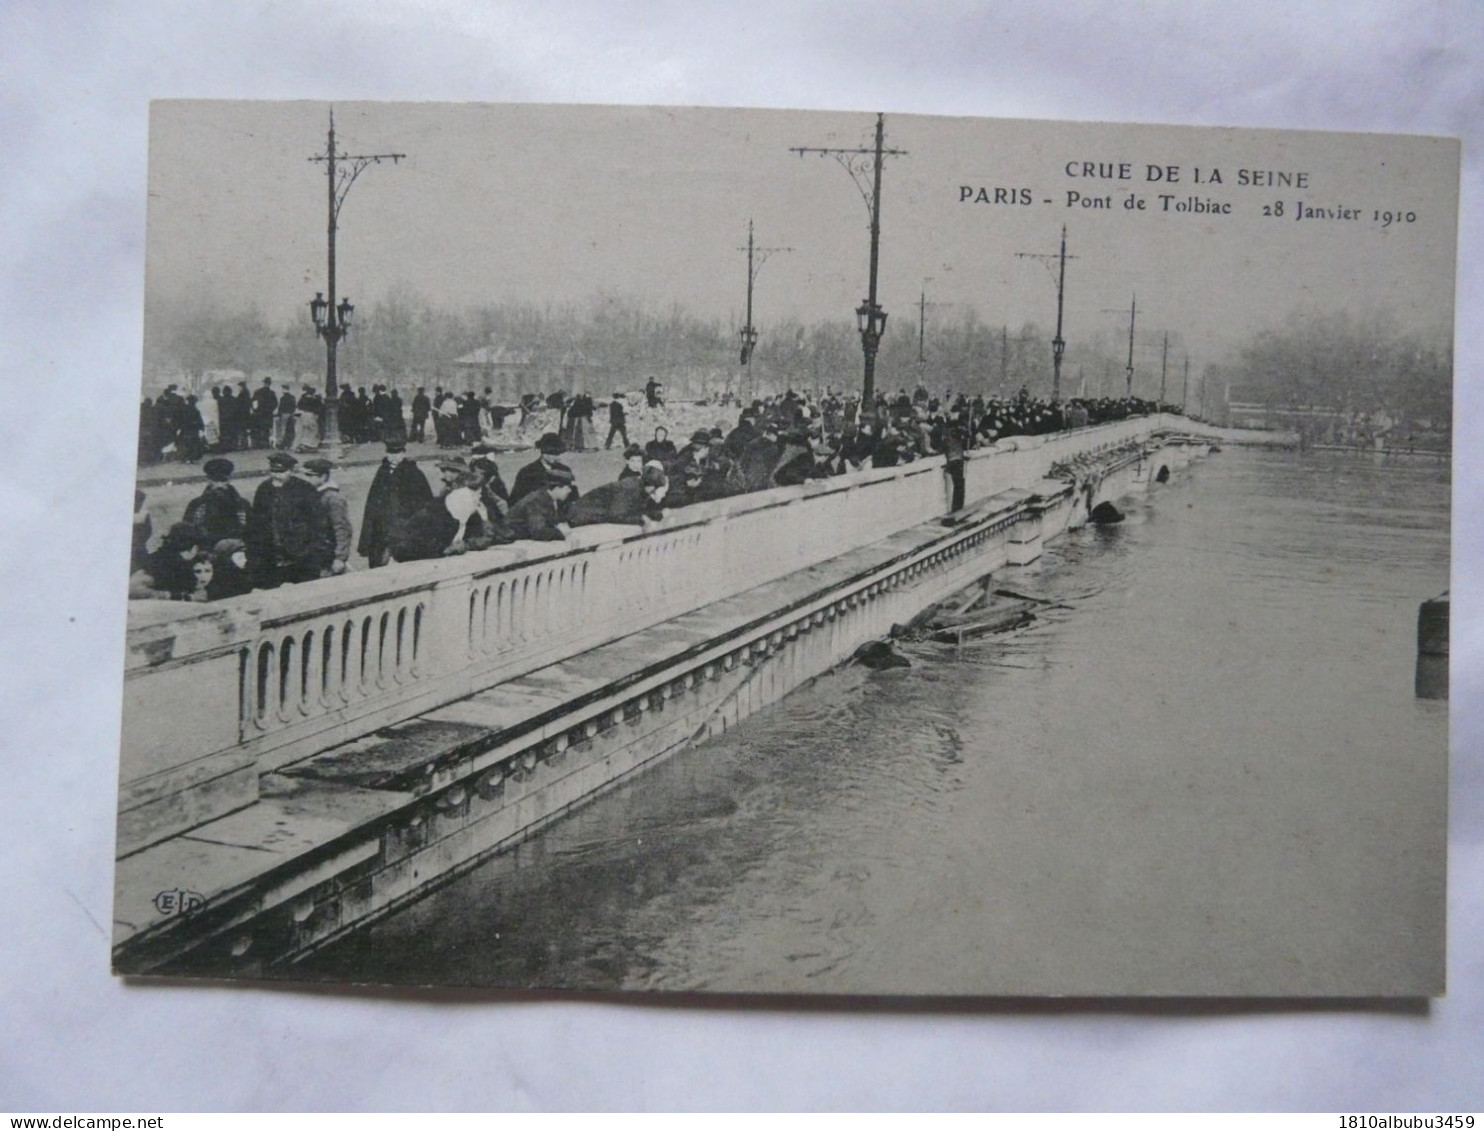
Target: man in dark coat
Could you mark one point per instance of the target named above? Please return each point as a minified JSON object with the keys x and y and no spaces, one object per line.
{"x":534,"y":474}
{"x":495,"y":497}
{"x":617,"y":422}
{"x":422,"y":407}
{"x":288,"y":416}
{"x":219,"y":511}
{"x":889,"y":450}
{"x":166,"y":574}
{"x":952,"y":439}
{"x":697,"y":451}
{"x":739,"y":437}
{"x":322,"y":479}
{"x":399,"y":489}
{"x":448,"y":525}
{"x":795,"y":461}
{"x":537,"y":515}
{"x":687,"y":486}
{"x":381,"y":411}
{"x":289,"y":538}
{"x":629,"y":501}
{"x":760,"y":457}
{"x":264,"y":406}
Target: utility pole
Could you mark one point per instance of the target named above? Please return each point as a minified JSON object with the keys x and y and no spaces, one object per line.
{"x":870,"y":318}
{"x":756,"y":257}
{"x":332,"y":322}
{"x":1128,"y":372}
{"x":1004,"y":359}
{"x":1058,"y":344}
{"x":921,"y":327}
{"x":1185,"y":389}
{"x":1164,"y":361}
{"x":922,"y":309}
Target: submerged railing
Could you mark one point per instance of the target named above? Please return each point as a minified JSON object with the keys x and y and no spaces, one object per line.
{"x":217,"y":694}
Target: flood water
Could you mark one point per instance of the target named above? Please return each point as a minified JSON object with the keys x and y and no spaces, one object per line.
{"x":1205,"y":773}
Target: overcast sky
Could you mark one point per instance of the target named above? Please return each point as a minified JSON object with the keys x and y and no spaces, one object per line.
{"x":556,"y":204}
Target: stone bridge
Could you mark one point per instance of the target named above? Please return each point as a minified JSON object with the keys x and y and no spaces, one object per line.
{"x":297,"y":762}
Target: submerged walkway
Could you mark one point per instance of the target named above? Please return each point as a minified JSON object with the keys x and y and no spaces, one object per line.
{"x":336,"y":805}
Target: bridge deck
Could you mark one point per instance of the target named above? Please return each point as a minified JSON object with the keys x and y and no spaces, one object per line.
{"x":332,"y":806}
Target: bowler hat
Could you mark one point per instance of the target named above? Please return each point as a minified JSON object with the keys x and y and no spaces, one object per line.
{"x":396,"y":445}
{"x":318,"y":466}
{"x":700,"y":436}
{"x":218,"y":468}
{"x":281,"y":461}
{"x":550,"y":445}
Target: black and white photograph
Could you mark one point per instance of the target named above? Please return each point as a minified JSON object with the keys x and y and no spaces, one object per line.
{"x":743,"y":551}
{"x":640,"y":556}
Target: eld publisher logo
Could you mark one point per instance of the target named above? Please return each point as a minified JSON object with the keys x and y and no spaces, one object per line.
{"x":178,"y":901}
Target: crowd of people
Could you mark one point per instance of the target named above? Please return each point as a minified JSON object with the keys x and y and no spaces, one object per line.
{"x":297,"y":526}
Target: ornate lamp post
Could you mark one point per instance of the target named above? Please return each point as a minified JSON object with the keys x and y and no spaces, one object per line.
{"x":748,"y":334}
{"x":756,"y":257}
{"x":333,"y":322}
{"x":866,"y":174}
{"x":870,"y":320}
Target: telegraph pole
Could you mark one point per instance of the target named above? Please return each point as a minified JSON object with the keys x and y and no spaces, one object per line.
{"x":921,"y":328}
{"x":870,"y":318}
{"x":332,"y":322}
{"x":1185,"y":389}
{"x":1164,"y":362}
{"x":1004,"y":359}
{"x":922,"y":309}
{"x":1058,"y":344}
{"x":756,"y":257}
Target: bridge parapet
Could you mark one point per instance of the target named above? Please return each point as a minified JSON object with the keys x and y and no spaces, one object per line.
{"x":217,"y":694}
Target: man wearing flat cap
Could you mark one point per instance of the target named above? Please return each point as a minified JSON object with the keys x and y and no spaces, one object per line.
{"x":337,"y":512}
{"x":398,"y":491}
{"x":533,"y":475}
{"x":219,"y":511}
{"x":288,"y":532}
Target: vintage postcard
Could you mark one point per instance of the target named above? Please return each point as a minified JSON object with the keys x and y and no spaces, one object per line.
{"x":741,"y":551}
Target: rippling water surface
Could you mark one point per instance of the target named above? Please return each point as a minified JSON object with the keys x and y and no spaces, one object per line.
{"x":1205,"y":773}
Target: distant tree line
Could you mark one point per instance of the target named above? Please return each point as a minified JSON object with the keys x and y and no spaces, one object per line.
{"x":612,"y":342}
{"x":1333,"y":360}
{"x":1353,"y":365}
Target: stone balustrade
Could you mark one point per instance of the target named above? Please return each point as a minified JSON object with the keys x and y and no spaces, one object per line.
{"x":217,"y":694}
